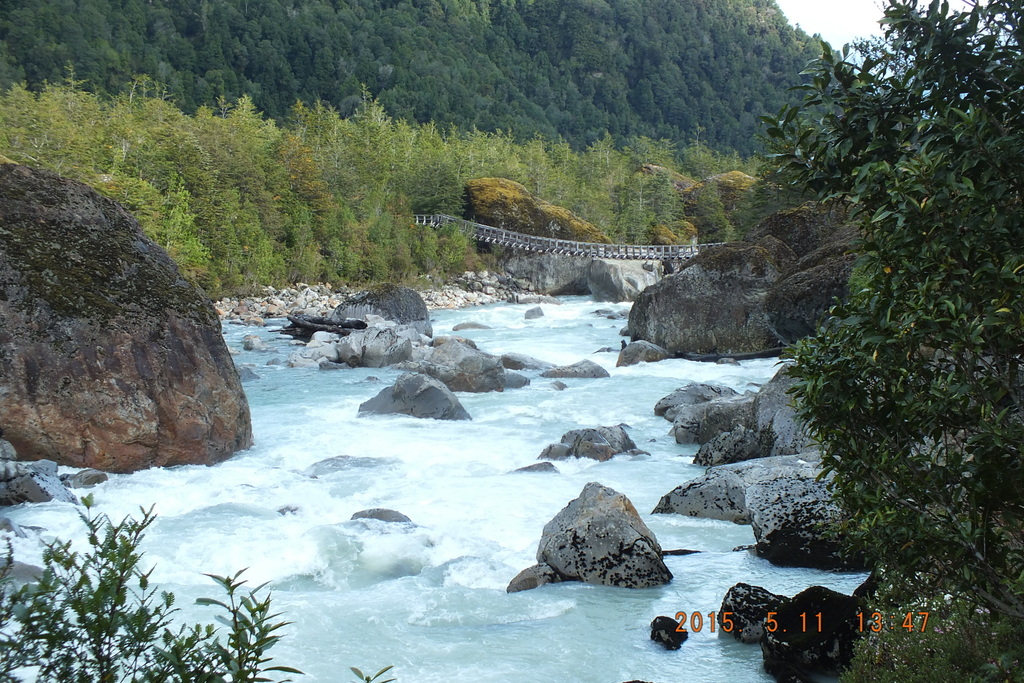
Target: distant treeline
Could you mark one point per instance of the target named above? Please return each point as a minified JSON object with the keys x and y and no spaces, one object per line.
{"x":240,"y":200}
{"x":563,"y":69}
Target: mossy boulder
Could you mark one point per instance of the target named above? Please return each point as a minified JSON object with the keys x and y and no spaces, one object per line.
{"x":109,"y":359}
{"x":680,"y":232}
{"x":714,"y":304}
{"x":403,"y":305}
{"x":506,"y":204}
{"x":752,"y":296}
{"x":803,"y":229}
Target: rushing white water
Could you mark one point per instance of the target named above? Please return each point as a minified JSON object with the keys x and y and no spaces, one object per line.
{"x":431,"y":599}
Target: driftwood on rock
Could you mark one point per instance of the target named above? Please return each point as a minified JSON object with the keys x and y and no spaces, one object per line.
{"x":303,"y":326}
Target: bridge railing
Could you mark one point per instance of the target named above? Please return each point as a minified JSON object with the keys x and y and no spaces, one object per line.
{"x":491,"y":235}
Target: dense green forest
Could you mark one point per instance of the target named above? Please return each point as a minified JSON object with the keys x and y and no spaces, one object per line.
{"x":571,"y":70}
{"x":240,"y":200}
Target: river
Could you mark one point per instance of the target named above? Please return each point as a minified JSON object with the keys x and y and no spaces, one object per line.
{"x":430,"y":599}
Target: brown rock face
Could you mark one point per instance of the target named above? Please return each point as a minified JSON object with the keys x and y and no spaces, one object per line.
{"x":108,"y":358}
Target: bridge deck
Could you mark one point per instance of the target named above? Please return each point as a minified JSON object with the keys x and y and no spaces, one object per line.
{"x":546,"y":245}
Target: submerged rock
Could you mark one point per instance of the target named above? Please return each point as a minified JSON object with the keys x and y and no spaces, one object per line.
{"x":587,"y":369}
{"x":109,"y":358}
{"x":599,"y":443}
{"x":383,"y":515}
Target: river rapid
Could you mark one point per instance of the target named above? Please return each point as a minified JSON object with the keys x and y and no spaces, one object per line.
{"x":430,"y":599}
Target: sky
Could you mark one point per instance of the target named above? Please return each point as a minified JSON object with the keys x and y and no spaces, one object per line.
{"x":838,"y":21}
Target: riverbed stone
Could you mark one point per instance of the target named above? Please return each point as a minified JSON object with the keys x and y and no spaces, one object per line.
{"x":701,"y":422}
{"x":534,"y":313}
{"x":598,"y":443}
{"x":721,"y":493}
{"x":689,"y":394}
{"x":599,"y":538}
{"x":734,"y":446}
{"x":419,"y":396}
{"x":520,"y":361}
{"x":747,"y":607}
{"x":587,"y":369}
{"x":640,"y":352}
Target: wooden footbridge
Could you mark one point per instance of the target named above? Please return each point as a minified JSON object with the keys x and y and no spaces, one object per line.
{"x":546,"y":245}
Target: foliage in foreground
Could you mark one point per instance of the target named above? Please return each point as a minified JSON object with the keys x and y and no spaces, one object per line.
{"x":962,"y":642}
{"x":95,"y":618}
{"x":914,"y":387}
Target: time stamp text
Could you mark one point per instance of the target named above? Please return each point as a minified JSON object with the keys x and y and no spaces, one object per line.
{"x":805,"y":622}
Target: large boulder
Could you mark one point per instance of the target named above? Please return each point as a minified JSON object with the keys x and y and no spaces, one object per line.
{"x":689,"y":394}
{"x":599,"y":538}
{"x":506,"y":204}
{"x":553,"y":274}
{"x":463,"y":368}
{"x":598,"y":443}
{"x":616,"y":280}
{"x":779,"y":430}
{"x":814,"y":633}
{"x":795,"y":522}
{"x":417,"y":395}
{"x":108,"y":357}
{"x":819,"y":237}
{"x":702,"y":422}
{"x":391,"y":302}
{"x":721,"y":493}
{"x":714,"y":304}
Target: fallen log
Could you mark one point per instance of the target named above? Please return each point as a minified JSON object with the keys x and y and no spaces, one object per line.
{"x":303,"y":326}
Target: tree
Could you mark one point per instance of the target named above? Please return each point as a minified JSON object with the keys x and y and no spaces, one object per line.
{"x":914,"y":385}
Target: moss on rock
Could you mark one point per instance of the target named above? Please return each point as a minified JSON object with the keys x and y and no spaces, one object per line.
{"x":506,"y":204}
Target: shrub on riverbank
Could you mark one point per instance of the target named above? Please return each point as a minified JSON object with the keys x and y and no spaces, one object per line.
{"x":94,"y":617}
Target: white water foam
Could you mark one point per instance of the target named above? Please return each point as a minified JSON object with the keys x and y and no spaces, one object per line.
{"x":430,"y":598}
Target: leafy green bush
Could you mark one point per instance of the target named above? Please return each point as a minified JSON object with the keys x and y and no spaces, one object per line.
{"x":961,"y":642}
{"x":915,"y":386}
{"x":95,"y":618}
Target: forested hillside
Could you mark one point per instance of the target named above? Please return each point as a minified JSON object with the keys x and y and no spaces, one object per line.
{"x":569,"y":69}
{"x":240,"y":200}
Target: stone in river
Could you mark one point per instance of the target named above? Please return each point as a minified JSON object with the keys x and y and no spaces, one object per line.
{"x":419,"y":396}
